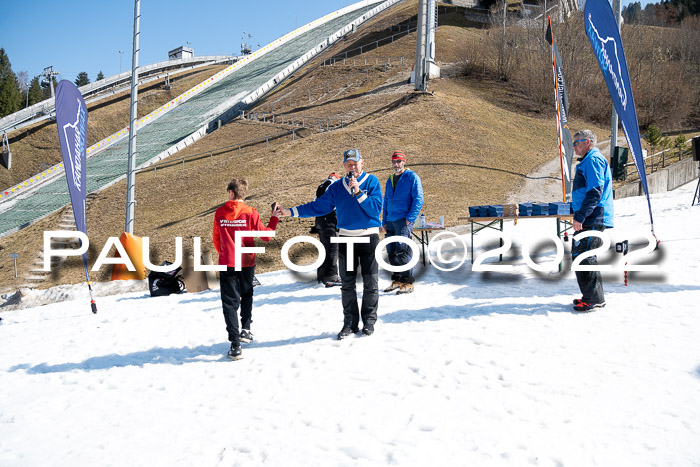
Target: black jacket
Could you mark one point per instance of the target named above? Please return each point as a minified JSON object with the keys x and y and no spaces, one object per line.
{"x":329,"y":221}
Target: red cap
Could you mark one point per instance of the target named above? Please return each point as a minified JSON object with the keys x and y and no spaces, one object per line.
{"x":398,"y":155}
{"x":333,"y":174}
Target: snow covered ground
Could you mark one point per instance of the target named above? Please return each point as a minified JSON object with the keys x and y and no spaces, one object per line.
{"x":474,"y":368}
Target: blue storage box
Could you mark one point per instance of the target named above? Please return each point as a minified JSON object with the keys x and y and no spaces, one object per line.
{"x":478,"y":211}
{"x":559,"y":208}
{"x":495,"y":210}
{"x":525,"y":209}
{"x":540,"y":209}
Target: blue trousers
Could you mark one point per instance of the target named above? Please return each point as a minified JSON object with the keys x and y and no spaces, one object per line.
{"x":400,"y":253}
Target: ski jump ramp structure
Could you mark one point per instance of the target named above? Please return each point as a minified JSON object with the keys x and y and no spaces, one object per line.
{"x":188,"y":117}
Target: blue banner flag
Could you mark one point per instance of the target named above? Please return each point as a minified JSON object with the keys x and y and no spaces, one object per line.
{"x":566,"y":148}
{"x":72,"y":121}
{"x":602,"y":32}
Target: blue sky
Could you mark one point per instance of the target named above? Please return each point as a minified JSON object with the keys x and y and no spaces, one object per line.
{"x":81,"y":35}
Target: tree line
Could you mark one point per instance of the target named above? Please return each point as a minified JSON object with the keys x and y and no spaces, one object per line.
{"x":17,"y":91}
{"x":664,"y":65}
{"x":666,"y":13}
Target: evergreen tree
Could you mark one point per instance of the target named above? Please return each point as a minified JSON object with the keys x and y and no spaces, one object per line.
{"x":680,"y":145}
{"x":654,"y":138}
{"x":36,"y":94}
{"x":100,"y":76}
{"x":10,"y":98}
{"x":82,"y":79}
{"x":632,"y":13}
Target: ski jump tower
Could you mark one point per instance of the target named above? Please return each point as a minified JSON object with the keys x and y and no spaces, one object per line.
{"x":425,"y":68}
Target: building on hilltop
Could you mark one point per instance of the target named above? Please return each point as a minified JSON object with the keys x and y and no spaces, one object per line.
{"x":181,"y":52}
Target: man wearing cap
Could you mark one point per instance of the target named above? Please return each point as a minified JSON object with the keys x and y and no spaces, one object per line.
{"x":592,"y":205}
{"x":357,"y":199}
{"x":326,"y":228}
{"x":403,"y":199}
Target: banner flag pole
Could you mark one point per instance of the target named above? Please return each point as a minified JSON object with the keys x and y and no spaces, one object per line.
{"x":71,"y":121}
{"x":566,"y":149}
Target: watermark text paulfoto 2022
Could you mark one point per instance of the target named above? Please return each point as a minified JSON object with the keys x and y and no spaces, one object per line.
{"x":452,"y":242}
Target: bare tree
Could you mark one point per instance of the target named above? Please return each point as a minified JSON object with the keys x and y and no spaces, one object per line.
{"x":23,"y":83}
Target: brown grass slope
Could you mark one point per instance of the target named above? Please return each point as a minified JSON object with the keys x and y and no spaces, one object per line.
{"x":470,"y":141}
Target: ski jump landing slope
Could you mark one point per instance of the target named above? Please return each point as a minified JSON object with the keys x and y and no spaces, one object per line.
{"x":186,"y":118}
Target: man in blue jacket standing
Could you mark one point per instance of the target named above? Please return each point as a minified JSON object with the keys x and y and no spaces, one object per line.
{"x":403,"y":199}
{"x":592,"y":204}
{"x":357,"y":199}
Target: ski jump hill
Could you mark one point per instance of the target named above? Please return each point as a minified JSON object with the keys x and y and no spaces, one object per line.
{"x":188,"y":117}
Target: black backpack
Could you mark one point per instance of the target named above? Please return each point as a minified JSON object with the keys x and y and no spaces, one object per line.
{"x":166,"y":283}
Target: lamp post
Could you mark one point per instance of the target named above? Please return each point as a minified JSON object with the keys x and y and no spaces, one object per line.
{"x":27,"y":85}
{"x":121,"y":54}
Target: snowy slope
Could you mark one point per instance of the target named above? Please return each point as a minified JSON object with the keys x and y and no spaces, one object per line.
{"x":474,"y":368}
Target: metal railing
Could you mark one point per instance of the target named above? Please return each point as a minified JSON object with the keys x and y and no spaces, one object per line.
{"x":320,"y":124}
{"x":326,"y":87}
{"x":367,"y":47}
{"x":217,"y":152}
{"x":667,"y":156}
{"x":303,"y":121}
{"x":376,"y":60}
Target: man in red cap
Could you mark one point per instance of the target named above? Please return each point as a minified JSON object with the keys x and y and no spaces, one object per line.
{"x":403,"y":200}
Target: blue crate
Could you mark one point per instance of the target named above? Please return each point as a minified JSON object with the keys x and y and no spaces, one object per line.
{"x":478,"y":211}
{"x":525,"y":209}
{"x":495,"y":210}
{"x":559,"y":208}
{"x":540,"y":209}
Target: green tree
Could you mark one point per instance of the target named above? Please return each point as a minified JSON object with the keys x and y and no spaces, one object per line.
{"x":100,"y":76}
{"x":36,"y":94}
{"x":653,"y":138}
{"x":632,"y":13}
{"x":10,"y":98}
{"x":665,"y":145}
{"x":82,"y":79}
{"x":680,"y":145}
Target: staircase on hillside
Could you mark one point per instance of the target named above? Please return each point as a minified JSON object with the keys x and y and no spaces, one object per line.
{"x":36,"y":274}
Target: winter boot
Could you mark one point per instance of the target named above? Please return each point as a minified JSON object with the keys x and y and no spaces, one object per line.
{"x":585,"y":307}
{"x":346,"y":331}
{"x":246,"y":336}
{"x":235,"y":353}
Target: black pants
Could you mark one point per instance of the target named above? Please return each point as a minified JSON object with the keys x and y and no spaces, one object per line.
{"x":590,"y":282}
{"x":237,"y":290}
{"x":400,"y":253}
{"x":329,"y":269}
{"x":363,"y":256}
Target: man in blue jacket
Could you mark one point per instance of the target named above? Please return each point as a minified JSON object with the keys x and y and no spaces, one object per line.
{"x":403,"y":199}
{"x":592,"y":204}
{"x":357,"y":199}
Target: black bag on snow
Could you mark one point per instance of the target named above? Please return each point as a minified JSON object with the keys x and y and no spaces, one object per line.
{"x":166,"y":283}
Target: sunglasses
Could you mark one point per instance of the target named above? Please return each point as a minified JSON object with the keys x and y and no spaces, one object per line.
{"x":578,"y":141}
